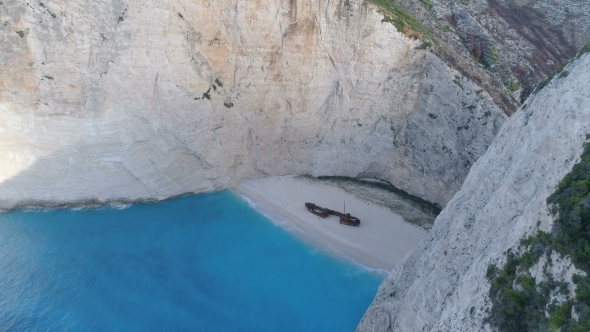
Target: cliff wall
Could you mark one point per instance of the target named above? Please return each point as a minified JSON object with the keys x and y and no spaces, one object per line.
{"x":125,"y":100}
{"x":442,"y":285}
{"x":506,"y":46}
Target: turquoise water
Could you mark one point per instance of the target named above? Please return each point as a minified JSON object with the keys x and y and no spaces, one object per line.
{"x":198,"y":263}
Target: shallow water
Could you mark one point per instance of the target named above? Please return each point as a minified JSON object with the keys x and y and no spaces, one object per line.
{"x":199,"y":263}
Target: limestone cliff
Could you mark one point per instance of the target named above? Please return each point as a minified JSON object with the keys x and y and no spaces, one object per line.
{"x":442,"y":286}
{"x":124,"y":100}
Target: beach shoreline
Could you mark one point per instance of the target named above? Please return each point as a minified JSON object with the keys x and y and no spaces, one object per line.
{"x":381,"y":241}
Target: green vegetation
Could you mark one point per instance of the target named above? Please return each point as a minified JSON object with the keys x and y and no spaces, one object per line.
{"x":550,"y":78}
{"x":427,"y":4}
{"x":51,"y":13}
{"x":403,"y":21}
{"x":21,"y":33}
{"x":490,"y":58}
{"x":228,"y":105}
{"x":48,"y":77}
{"x":218,"y":82}
{"x":560,"y":71}
{"x":207,"y":95}
{"x":434,"y":116}
{"x":457,"y":80}
{"x":512,"y":85}
{"x":425,"y":45}
{"x":41,"y":4}
{"x":180,"y":15}
{"x":521,"y":304}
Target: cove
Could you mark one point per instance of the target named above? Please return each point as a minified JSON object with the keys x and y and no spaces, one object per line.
{"x":205,"y":262}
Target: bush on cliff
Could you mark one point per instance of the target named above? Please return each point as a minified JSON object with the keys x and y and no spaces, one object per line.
{"x":521,"y":304}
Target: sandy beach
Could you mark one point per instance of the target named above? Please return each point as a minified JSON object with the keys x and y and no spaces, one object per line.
{"x":380,"y":242}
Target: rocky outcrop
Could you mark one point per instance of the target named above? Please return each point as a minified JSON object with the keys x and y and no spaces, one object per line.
{"x":506,"y":46}
{"x":442,"y":285}
{"x":126,"y":100}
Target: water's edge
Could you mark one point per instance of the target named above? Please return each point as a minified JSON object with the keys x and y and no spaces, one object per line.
{"x":287,"y":225}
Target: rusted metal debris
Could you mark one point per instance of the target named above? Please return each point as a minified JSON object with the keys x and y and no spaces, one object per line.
{"x":345,"y":218}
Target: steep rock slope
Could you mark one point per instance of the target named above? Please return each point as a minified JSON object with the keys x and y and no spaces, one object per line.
{"x":511,"y":43}
{"x":125,"y":100}
{"x":442,"y":285}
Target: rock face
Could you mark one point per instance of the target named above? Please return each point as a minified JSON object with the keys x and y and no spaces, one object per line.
{"x":125,"y":100}
{"x":515,"y":43}
{"x":442,"y":285}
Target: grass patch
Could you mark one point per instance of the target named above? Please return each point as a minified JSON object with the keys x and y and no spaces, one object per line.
{"x":512,"y":85}
{"x":490,"y":58}
{"x":403,"y":21}
{"x":520,"y":304}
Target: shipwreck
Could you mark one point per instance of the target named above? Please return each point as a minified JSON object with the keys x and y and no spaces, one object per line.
{"x":345,"y":218}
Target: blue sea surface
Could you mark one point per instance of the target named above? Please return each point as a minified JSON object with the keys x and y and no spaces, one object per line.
{"x":198,"y":263}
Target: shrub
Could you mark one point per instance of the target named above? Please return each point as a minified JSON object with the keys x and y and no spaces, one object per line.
{"x":207,"y":95}
{"x":518,"y":304}
{"x":427,"y":4}
{"x":512,"y":85}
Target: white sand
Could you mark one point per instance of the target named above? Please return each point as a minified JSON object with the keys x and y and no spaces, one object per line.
{"x":380,"y":242}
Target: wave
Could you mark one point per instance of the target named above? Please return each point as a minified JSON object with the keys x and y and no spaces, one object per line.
{"x":119,"y":205}
{"x":249,"y":201}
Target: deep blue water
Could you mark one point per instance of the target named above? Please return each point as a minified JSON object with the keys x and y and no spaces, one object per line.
{"x":198,"y":263}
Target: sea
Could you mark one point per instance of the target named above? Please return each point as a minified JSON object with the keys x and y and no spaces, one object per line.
{"x":207,"y":262}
